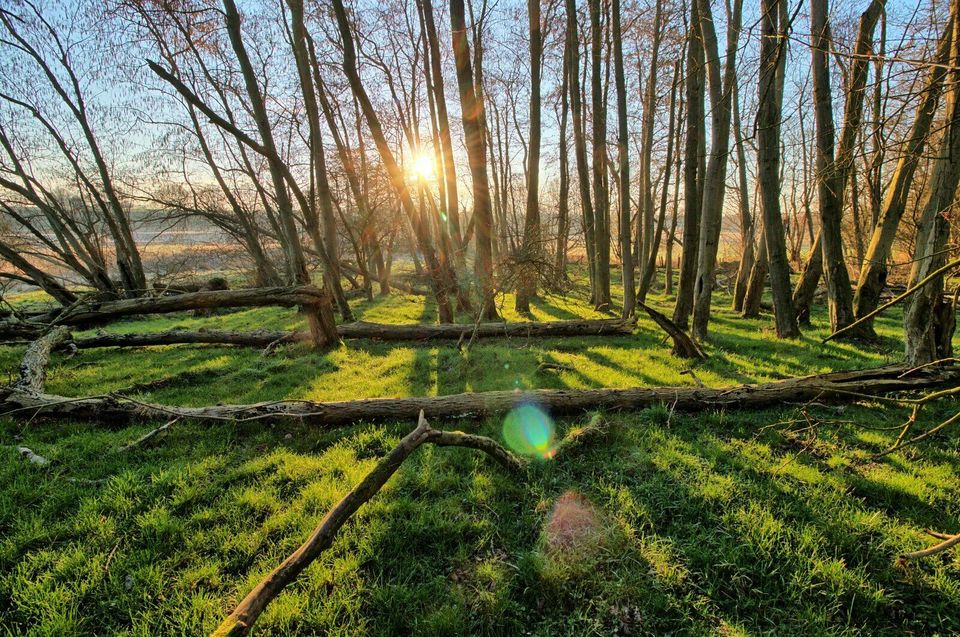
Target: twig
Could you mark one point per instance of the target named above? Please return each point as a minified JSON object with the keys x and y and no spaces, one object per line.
{"x":150,"y":434}
{"x":933,"y":550}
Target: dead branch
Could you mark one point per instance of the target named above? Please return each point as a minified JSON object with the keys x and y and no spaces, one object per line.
{"x":149,"y":435}
{"x":910,"y":291}
{"x":683,"y":345}
{"x":243,"y":617}
{"x":950,"y":542}
{"x":31,"y":457}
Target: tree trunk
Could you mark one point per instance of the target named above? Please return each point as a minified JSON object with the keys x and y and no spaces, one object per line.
{"x":472,"y":109}
{"x":929,"y":321}
{"x":600,"y":193}
{"x":422,"y":233}
{"x":833,"y":172}
{"x":772,"y":60}
{"x":319,"y":325}
{"x":836,"y":387}
{"x":373,"y":331}
{"x":873,"y":273}
{"x":650,"y":268}
{"x":692,"y":186}
{"x":715,"y":179}
{"x":746,"y":218}
{"x":532,"y":249}
{"x":623,"y":148}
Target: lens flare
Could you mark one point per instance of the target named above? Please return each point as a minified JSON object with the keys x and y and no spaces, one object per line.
{"x":528,"y":430}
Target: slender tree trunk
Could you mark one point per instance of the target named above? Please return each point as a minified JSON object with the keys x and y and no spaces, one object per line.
{"x":437,"y":279}
{"x":579,"y":138}
{"x":471,"y":106}
{"x":443,"y":122}
{"x":833,"y":172}
{"x":623,"y":146}
{"x":531,"y":252}
{"x":746,"y":218}
{"x":600,"y":192}
{"x":319,"y":316}
{"x":650,"y":268}
{"x":715,"y":179}
{"x":327,"y":243}
{"x":770,"y":107}
{"x":692,"y":176}
{"x":563,"y":211}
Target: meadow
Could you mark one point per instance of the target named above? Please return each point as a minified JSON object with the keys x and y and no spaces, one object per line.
{"x":728,"y":522}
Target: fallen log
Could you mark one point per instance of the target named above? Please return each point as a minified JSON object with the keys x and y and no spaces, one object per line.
{"x":683,"y":345}
{"x":242,"y":619}
{"x":869,"y":383}
{"x":95,"y":311}
{"x":362,"y":329}
{"x":33,"y":366}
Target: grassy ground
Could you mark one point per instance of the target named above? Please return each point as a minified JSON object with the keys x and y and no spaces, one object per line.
{"x":732,"y":523}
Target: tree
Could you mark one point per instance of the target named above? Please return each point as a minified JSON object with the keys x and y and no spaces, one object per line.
{"x":873,"y":274}
{"x":623,"y":153}
{"x":693,"y":169}
{"x":714,"y":183}
{"x":929,"y":320}
{"x":471,"y":108}
{"x":532,"y":248}
{"x":769,"y":110}
{"x":600,"y":194}
{"x":438,"y":282}
{"x":833,"y":172}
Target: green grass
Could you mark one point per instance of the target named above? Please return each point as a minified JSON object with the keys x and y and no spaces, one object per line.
{"x":720,"y":523}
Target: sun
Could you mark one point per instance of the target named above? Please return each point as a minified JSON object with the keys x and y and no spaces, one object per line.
{"x":423,"y":166}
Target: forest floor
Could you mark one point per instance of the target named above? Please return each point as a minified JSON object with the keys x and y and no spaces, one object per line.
{"x":729,"y":522}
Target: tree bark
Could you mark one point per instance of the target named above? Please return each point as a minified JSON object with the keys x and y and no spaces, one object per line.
{"x":715,"y":179}
{"x":692,"y":176}
{"x":772,"y":60}
{"x":837,"y":386}
{"x":422,"y":233}
{"x":929,"y":321}
{"x":243,"y":617}
{"x":375,"y":331}
{"x":623,"y":153}
{"x":531,"y":253}
{"x":601,"y":208}
{"x":472,"y":111}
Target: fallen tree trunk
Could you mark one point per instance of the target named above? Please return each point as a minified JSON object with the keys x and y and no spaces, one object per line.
{"x":362,"y":329}
{"x":33,"y":367}
{"x":834,"y":386}
{"x":97,"y":312}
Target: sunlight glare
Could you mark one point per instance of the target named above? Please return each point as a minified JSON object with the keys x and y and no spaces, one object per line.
{"x":422,"y":166}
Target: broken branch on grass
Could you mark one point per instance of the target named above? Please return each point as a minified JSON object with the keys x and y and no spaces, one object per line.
{"x":949,"y":542}
{"x":149,"y":435}
{"x":243,"y":617}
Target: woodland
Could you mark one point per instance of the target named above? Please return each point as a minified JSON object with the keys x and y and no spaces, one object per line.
{"x":479,"y":317}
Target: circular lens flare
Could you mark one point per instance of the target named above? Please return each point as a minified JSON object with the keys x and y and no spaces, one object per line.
{"x":528,"y":430}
